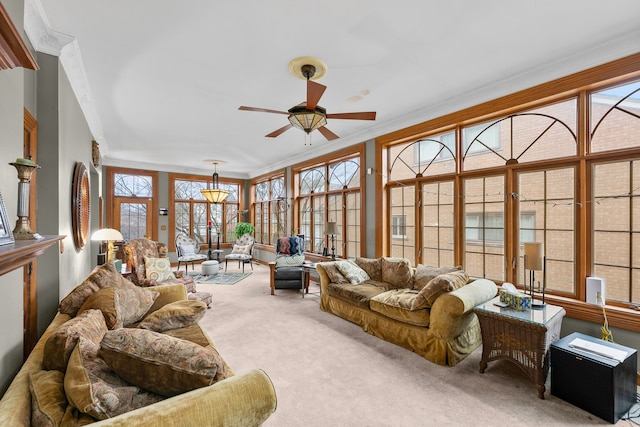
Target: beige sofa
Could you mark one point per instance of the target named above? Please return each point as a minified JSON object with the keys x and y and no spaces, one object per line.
{"x":244,"y":399}
{"x":423,"y":309}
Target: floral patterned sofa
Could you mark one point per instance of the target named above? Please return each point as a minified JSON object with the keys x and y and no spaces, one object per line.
{"x":150,"y":266}
{"x":118,"y":354}
{"x":427,"y":310}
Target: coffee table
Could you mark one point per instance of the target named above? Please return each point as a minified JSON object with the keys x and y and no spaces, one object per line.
{"x":523,"y":337}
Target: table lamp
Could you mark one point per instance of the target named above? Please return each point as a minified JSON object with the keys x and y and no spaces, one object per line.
{"x":534,"y":260}
{"x":332,"y":230}
{"x":108,"y":236}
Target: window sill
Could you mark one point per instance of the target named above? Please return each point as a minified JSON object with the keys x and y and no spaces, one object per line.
{"x":619,"y":317}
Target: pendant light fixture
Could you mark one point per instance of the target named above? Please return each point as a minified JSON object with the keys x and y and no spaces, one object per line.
{"x":215,"y":194}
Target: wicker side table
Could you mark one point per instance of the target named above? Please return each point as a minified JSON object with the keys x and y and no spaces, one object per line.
{"x":523,"y":337}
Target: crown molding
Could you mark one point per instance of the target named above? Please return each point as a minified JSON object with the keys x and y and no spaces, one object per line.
{"x":66,"y":48}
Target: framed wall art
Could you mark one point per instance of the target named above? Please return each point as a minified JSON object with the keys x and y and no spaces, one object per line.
{"x":6,"y":235}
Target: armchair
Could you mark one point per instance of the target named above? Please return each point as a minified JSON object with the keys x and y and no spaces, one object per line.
{"x":188,"y":250}
{"x":143,"y":253}
{"x":242,"y":251}
{"x":286,"y":270}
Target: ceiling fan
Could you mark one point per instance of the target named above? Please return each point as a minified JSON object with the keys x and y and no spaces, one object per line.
{"x":309,"y":116}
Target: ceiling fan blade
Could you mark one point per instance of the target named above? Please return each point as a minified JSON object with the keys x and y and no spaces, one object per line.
{"x":371,"y":115}
{"x":314,"y":93}
{"x":262,"y":110}
{"x":327,"y":133}
{"x":279,"y":131}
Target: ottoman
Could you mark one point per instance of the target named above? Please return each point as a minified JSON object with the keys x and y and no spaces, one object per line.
{"x":210,"y":267}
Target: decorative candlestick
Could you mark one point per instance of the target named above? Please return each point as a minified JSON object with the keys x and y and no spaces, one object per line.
{"x":25,"y":169}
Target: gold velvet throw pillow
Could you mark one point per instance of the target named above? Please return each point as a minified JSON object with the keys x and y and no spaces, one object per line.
{"x":425,"y":273}
{"x":397,"y":272}
{"x":437,"y":286}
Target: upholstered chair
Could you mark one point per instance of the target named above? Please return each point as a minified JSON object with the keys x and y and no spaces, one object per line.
{"x":286,"y":270}
{"x":150,"y":266}
{"x":242,"y":251}
{"x":188,"y":250}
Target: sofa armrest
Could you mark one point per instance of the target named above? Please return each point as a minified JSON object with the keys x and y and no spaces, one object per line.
{"x":451,"y":313}
{"x":323,"y":276}
{"x":246,"y":399}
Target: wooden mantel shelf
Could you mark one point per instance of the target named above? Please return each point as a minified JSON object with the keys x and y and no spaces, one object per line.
{"x":23,"y":252}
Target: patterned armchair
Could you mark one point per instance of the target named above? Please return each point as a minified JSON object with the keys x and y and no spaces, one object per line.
{"x":242,"y":251}
{"x":150,"y":266}
{"x":188,"y":250}
{"x":286,"y":270}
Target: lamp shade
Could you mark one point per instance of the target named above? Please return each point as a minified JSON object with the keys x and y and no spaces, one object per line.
{"x":533,"y":255}
{"x":106,"y":234}
{"x":331,"y":229}
{"x":307,"y":120}
{"x":215,"y":194}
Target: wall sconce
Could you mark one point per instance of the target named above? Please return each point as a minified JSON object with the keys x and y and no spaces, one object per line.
{"x":164,"y":211}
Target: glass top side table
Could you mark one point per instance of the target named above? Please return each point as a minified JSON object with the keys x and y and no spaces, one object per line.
{"x":523,"y":337}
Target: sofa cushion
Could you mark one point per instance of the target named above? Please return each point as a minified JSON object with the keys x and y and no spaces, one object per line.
{"x":290,"y":260}
{"x":160,"y":363}
{"x":354,"y":274}
{"x":437,"y":286}
{"x":120,"y":307}
{"x":358,"y":295}
{"x":186,"y":250}
{"x":333,"y":273}
{"x":58,"y":347}
{"x":168,"y":293}
{"x":396,"y":304}
{"x":397,"y":272}
{"x":174,"y":315}
{"x":373,"y":267}
{"x":425,"y":273}
{"x":93,"y":388}
{"x":48,"y":401}
{"x":158,"y":269}
{"x":101,"y":277}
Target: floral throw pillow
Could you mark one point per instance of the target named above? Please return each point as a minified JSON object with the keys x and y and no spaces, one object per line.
{"x":158,"y":269}
{"x":160,"y":363}
{"x":354,"y":274}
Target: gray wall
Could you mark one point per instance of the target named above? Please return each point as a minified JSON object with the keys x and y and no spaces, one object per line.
{"x":63,"y":139}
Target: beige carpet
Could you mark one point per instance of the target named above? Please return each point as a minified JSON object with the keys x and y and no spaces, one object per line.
{"x":328,"y":372}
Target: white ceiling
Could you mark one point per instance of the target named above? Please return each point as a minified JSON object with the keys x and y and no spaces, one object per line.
{"x":161,"y":81}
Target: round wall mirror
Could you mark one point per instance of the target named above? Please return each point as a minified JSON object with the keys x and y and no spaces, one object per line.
{"x":80,"y":205}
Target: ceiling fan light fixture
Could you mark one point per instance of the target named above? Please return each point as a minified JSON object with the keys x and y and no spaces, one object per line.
{"x":215,"y":194}
{"x":307,"y":120}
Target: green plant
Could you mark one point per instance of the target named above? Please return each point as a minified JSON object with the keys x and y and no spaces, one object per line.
{"x":244,"y":228}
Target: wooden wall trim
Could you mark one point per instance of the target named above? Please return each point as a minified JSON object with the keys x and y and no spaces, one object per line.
{"x":13,"y":51}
